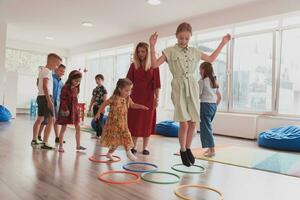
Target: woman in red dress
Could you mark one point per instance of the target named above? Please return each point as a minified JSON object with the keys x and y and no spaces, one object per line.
{"x":145,"y":91}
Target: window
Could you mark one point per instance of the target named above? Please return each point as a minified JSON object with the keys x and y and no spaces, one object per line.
{"x":252,"y":73}
{"x":26,"y":64}
{"x":256,"y":27}
{"x":219,"y":68}
{"x":289,"y":91}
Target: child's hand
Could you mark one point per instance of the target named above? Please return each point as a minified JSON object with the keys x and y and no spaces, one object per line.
{"x":89,"y":114}
{"x":226,"y":38}
{"x":97,"y":116}
{"x":50,"y":105}
{"x":153,"y":39}
{"x":65,"y":113}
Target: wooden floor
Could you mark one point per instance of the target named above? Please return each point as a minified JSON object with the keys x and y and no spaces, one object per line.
{"x":27,"y":173}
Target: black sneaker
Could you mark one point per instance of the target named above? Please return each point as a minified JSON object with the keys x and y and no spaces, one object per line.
{"x":48,"y":147}
{"x":133,"y":151}
{"x":184,"y":158}
{"x":146,"y":152}
{"x":190,"y":156}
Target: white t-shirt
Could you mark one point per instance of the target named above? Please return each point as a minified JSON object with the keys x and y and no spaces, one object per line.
{"x":207,"y":94}
{"x":45,"y":73}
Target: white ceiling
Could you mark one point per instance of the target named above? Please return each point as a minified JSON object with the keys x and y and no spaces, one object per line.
{"x":33,"y":20}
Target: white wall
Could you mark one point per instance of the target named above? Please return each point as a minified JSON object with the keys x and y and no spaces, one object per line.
{"x":3,"y":28}
{"x":251,"y":11}
{"x":237,"y":125}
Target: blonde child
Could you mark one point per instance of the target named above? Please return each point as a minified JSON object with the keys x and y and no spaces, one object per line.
{"x":68,"y":112}
{"x":210,"y":98}
{"x":183,"y":61}
{"x":115,"y":131}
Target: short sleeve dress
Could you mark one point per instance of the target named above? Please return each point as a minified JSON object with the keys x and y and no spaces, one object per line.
{"x":183,"y":63}
{"x":115,"y":132}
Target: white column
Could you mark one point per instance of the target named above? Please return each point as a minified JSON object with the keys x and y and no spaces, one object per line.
{"x":3,"y":29}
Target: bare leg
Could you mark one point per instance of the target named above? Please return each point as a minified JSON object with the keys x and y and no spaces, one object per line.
{"x":41,"y":130}
{"x":109,"y":154}
{"x":56,"y":129}
{"x":135,"y":142}
{"x":48,"y":130}
{"x":61,"y":137}
{"x":77,"y":128}
{"x":190,"y":133}
{"x":182,"y":135}
{"x":36,"y":127}
{"x":146,"y":143}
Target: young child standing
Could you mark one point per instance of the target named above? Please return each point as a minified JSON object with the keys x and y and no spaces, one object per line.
{"x":68,"y":112}
{"x":98,"y":97}
{"x":183,"y":61}
{"x":44,"y":99}
{"x":210,"y":98}
{"x":116,"y":132}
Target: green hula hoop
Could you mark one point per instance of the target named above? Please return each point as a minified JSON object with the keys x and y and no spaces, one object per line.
{"x":143,"y":177}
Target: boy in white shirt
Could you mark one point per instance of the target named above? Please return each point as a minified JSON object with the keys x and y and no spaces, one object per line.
{"x":44,"y":99}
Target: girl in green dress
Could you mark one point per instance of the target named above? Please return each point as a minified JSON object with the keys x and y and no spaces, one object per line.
{"x":183,"y":61}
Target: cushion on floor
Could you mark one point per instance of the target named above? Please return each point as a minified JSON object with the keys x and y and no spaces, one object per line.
{"x":283,"y":138}
{"x":167,"y":128}
{"x":5,"y":114}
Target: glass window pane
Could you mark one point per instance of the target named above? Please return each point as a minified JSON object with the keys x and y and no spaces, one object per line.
{"x":212,"y":34}
{"x":256,"y":27}
{"x":122,"y":66}
{"x":295,"y":20}
{"x":289,"y":94}
{"x":107,"y":70}
{"x":219,"y":68}
{"x":252,"y":73}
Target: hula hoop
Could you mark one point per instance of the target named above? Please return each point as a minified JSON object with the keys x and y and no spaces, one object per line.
{"x":178,"y":194}
{"x":126,"y":167}
{"x":202,"y":169}
{"x":160,"y":182}
{"x":94,"y":159}
{"x":137,"y":177}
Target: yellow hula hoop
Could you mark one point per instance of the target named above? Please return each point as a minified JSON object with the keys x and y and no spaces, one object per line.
{"x":178,"y":194}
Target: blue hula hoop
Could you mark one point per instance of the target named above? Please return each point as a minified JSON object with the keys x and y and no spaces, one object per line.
{"x":140,"y":170}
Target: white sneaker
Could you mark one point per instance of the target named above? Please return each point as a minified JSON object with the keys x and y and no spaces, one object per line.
{"x":131,"y":156}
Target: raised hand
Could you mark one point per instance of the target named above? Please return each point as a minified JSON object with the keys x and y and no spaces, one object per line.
{"x":153,"y":39}
{"x":226,"y":38}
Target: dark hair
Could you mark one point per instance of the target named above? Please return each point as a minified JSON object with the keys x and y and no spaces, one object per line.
{"x":122,"y":82}
{"x":54,"y":55}
{"x":75,"y":74}
{"x":209,"y":72}
{"x":99,"y":76}
{"x":62,"y":66}
{"x":184,"y":27}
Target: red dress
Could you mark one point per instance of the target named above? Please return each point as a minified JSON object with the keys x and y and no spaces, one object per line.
{"x":68,"y":101}
{"x":141,"y":123}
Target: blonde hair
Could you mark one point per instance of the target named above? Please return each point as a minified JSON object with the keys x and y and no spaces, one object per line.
{"x":184,"y":27}
{"x":136,"y":60}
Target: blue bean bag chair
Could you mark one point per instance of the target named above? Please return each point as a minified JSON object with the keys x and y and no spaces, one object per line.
{"x":283,"y":138}
{"x":5,"y":114}
{"x":167,"y":128}
{"x":96,"y":126}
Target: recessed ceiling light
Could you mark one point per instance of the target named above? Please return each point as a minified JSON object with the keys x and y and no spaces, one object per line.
{"x":87,"y":24}
{"x":49,"y":38}
{"x":154,"y":2}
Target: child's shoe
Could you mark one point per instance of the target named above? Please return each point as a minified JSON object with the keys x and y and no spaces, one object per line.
{"x":131,"y":156}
